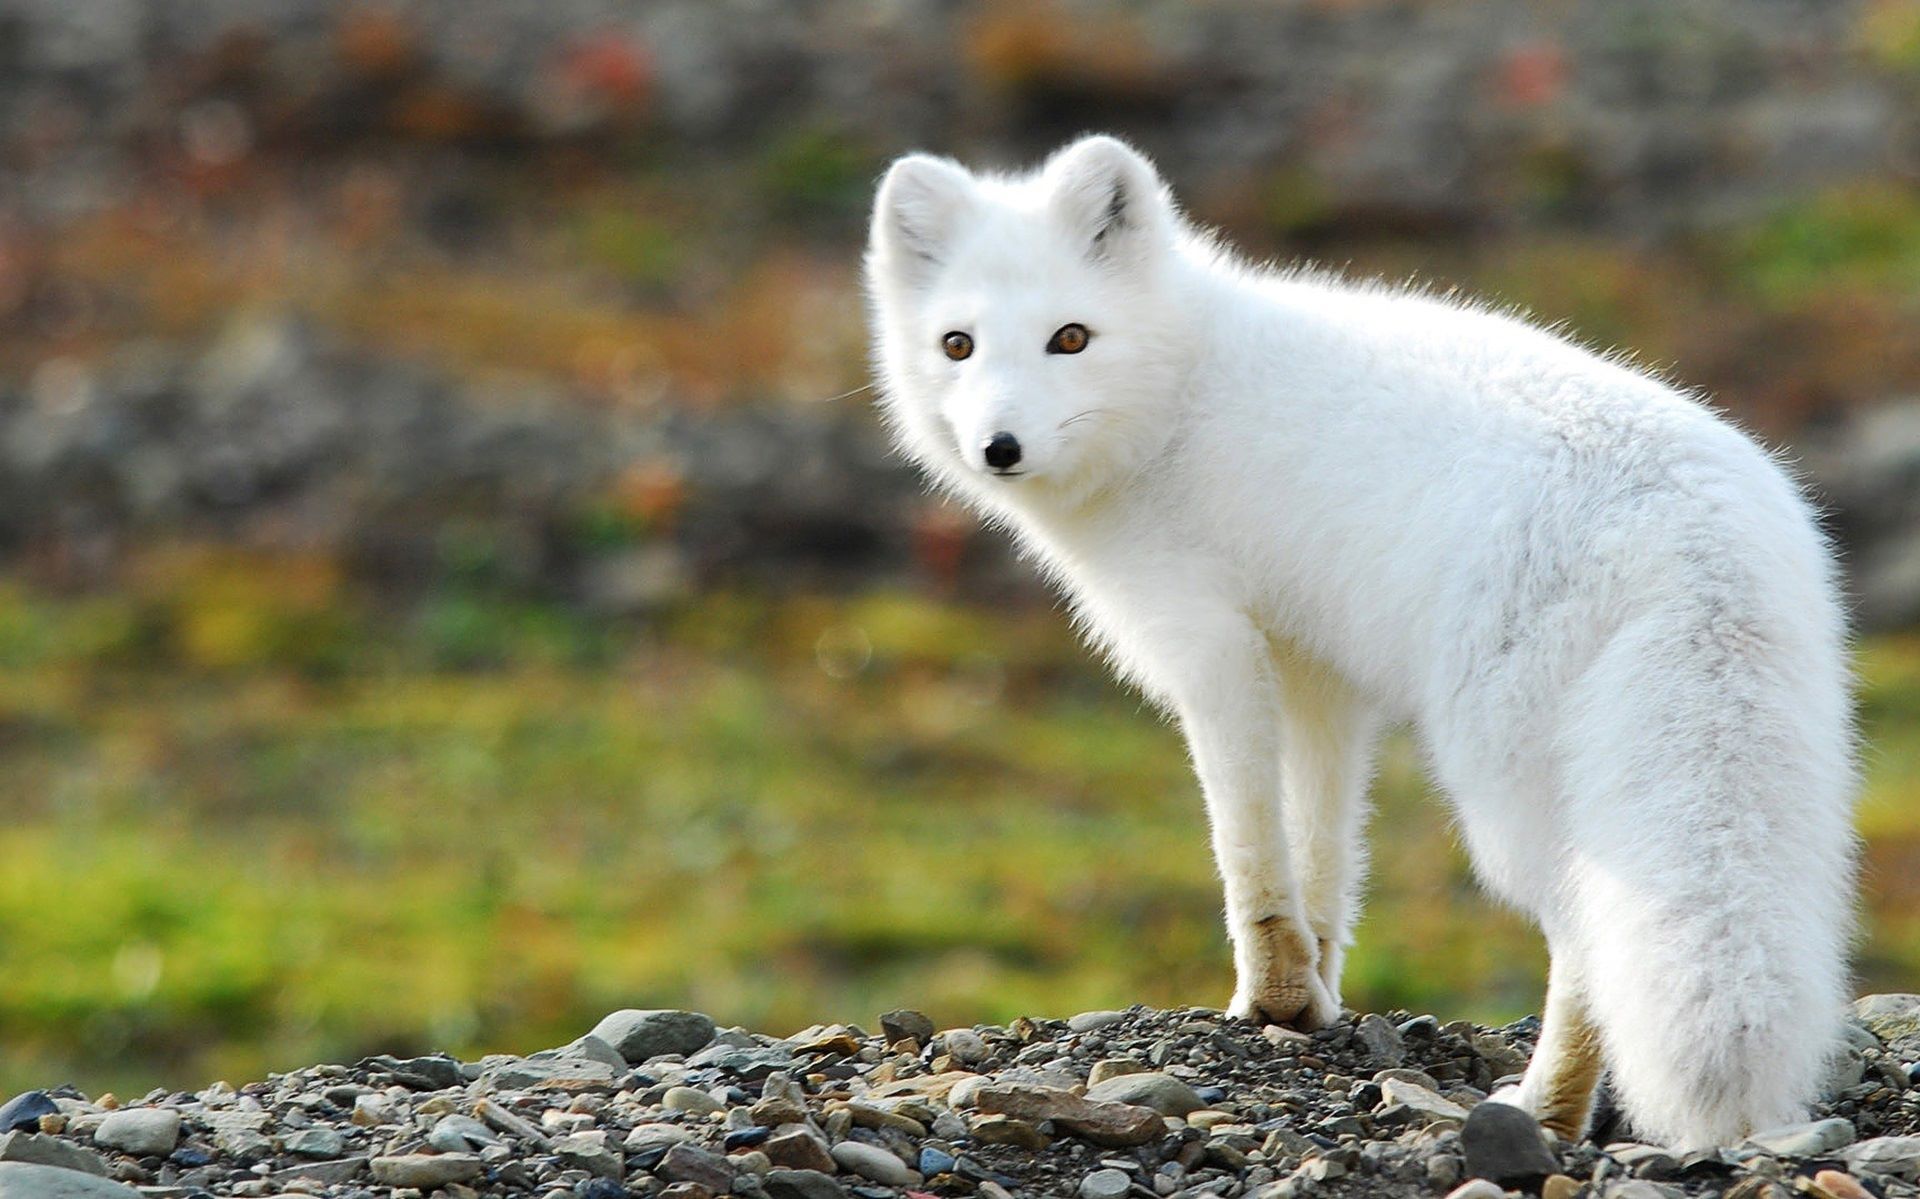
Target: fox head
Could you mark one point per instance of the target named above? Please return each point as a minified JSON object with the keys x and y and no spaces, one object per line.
{"x":1027,"y":330}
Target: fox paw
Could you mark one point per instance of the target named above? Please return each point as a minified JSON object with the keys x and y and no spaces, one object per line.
{"x":1300,"y":1001}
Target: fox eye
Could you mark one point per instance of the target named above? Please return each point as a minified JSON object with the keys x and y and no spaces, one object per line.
{"x":957,"y":345}
{"x":1069,"y":339}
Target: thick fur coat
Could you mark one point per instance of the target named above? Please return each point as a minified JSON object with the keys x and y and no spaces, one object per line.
{"x":1293,"y":510}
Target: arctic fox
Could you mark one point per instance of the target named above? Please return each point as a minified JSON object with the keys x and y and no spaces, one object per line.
{"x":1293,"y":509}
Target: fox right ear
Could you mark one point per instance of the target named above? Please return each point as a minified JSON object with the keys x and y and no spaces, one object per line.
{"x":919,"y":203}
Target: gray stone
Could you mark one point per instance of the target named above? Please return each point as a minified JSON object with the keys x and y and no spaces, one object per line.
{"x":1637,"y":1188}
{"x":687,"y":1099}
{"x":871,"y":1161}
{"x":1380,"y":1039}
{"x":1162,"y":1092}
{"x":500,"y":1119}
{"x":1896,"y":1156}
{"x":1105,"y":1184}
{"x":430,"y":1072}
{"x":28,"y":1180}
{"x":1477,"y":1188}
{"x":1088,"y":1021}
{"x":641,"y":1035}
{"x":691,"y":1163}
{"x":800,"y":1150}
{"x":802,"y":1184}
{"x":41,"y":1150}
{"x":1889,"y":1017}
{"x":1646,"y":1161}
{"x":316,"y":1142}
{"x":557,"y":1073}
{"x":1846,"y":1069}
{"x":1805,"y":1140}
{"x":593,"y":1049}
{"x":1113,"y":1067}
{"x":344,"y":1169}
{"x":1504,"y":1144}
{"x":965,"y":1045}
{"x":426,"y":1170}
{"x":456,"y":1133}
{"x":588,"y":1151}
{"x":23,"y":1111}
{"x":141,"y":1131}
{"x":906,"y":1024}
{"x":751,"y":1065}
{"x":1428,"y":1105}
{"x":654,"y":1136}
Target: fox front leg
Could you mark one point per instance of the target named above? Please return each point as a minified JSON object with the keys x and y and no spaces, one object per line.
{"x":1229,"y":708}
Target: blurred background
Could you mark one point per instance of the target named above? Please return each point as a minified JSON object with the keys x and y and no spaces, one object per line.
{"x":447,"y":590}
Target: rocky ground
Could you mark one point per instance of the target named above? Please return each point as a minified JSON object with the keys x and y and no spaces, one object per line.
{"x":1104,"y":1105}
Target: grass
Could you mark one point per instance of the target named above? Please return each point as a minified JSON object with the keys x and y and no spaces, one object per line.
{"x":231,"y":852}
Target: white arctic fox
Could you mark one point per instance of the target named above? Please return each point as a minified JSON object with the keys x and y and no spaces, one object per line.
{"x":1293,"y":509}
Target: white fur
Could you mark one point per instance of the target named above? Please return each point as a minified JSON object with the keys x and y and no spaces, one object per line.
{"x":1292,"y":509}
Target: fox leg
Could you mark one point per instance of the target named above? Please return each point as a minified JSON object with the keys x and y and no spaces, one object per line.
{"x":1560,"y":1081}
{"x":1327,"y":740}
{"x":1227,"y":695}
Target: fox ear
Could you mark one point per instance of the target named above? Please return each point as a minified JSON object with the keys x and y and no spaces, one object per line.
{"x":920,"y":201}
{"x":1108,"y":194}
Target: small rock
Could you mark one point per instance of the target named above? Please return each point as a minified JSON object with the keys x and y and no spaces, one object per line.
{"x":599,"y":1188}
{"x":871,"y":1161}
{"x":802,"y":1184}
{"x":1162,"y":1092}
{"x":1836,"y":1185}
{"x":592,"y":1049}
{"x":326,"y":1173}
{"x":432,"y":1072}
{"x":29,"y":1180}
{"x":1007,"y":1130}
{"x":686,"y":1099}
{"x":1645,"y":1161}
{"x":1113,"y":1067}
{"x":1889,"y":1017}
{"x":640,"y":1035}
{"x":798,"y":1150}
{"x":1105,"y":1184}
{"x":1559,"y":1186}
{"x":588,"y":1151}
{"x":1380,"y":1039}
{"x":905,"y":1024}
{"x":1476,"y":1188}
{"x":1896,"y":1156}
{"x":458,"y":1134}
{"x":23,"y":1111}
{"x":654,"y":1136}
{"x":935,"y":1161}
{"x":1088,"y":1021}
{"x":687,"y":1190}
{"x":687,"y":1162}
{"x":1110,"y":1124}
{"x":500,"y":1119}
{"x":317,"y":1143}
{"x":1805,"y":1140}
{"x":1429,"y":1105}
{"x":965,"y":1045}
{"x":553,"y":1073}
{"x":426,"y":1170}
{"x":1503,"y":1144}
{"x":141,"y":1131}
{"x":40,"y":1150}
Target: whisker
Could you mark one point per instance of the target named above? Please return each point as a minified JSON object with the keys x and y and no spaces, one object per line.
{"x":846,"y":395}
{"x":1080,"y":416}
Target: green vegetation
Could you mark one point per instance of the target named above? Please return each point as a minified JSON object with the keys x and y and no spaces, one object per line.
{"x":233,"y":846}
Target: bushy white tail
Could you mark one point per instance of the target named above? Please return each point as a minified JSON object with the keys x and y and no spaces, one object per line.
{"x":1713,"y":876}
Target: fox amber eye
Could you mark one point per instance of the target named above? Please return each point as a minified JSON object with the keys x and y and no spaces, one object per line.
{"x":957,"y":346}
{"x":1069,"y":339}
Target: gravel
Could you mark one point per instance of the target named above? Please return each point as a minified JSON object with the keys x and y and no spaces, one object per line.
{"x":1382,"y":1105}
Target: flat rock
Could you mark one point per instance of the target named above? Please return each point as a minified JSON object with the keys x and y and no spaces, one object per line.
{"x":1110,"y":1124}
{"x":1114,"y":1067}
{"x":1088,"y":1021}
{"x":141,"y":1131}
{"x":1380,"y":1039}
{"x":904,"y":1024}
{"x":654,"y":1136}
{"x":456,"y":1133}
{"x":29,"y":1180}
{"x":1889,"y":1017}
{"x":1007,"y":1130}
{"x":1503,"y":1144}
{"x":344,"y":1169}
{"x":557,"y":1073}
{"x":798,"y":1150}
{"x":1105,"y":1184}
{"x":688,"y":1099}
{"x":1805,"y":1140}
{"x":1429,"y":1105}
{"x":1151,"y":1089}
{"x":871,"y":1161}
{"x":690,"y":1163}
{"x":429,"y":1072}
{"x":316,"y":1143}
{"x":22,"y":1112}
{"x":42,"y":1150}
{"x":1895,"y":1156}
{"x":588,"y":1151}
{"x":641,"y":1035}
{"x":802,"y":1184}
{"x":426,"y":1170}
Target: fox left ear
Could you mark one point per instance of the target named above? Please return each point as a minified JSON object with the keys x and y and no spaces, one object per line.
{"x":1109,"y":195}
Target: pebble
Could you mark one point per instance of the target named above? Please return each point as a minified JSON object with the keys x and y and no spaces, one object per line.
{"x":1108,"y":1124}
{"x":455,"y":1134}
{"x":1161,"y":1092}
{"x":426,"y":1170}
{"x":1477,"y":1188}
{"x":1805,"y":1140}
{"x":1105,"y":1184}
{"x":1089,"y":1021}
{"x":42,"y":1149}
{"x":686,"y":1099}
{"x":871,"y":1161}
{"x":687,"y":1162}
{"x":1006,"y":1130}
{"x":802,"y":1184}
{"x":141,"y":1131}
{"x":1113,"y":1067}
{"x":318,"y":1143}
{"x":1430,"y":1106}
{"x":965,"y":1045}
{"x":1836,"y":1185}
{"x":905,"y":1024}
{"x":1559,"y":1186}
{"x":1503,"y":1144}
{"x":642,"y":1035}
{"x":1895,"y":1156}
{"x":799,"y":1150}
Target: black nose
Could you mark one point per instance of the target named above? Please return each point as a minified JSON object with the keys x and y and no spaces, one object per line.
{"x":1002,"y":450}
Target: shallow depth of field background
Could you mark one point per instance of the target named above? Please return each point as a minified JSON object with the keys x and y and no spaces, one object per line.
{"x":448,"y":592}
